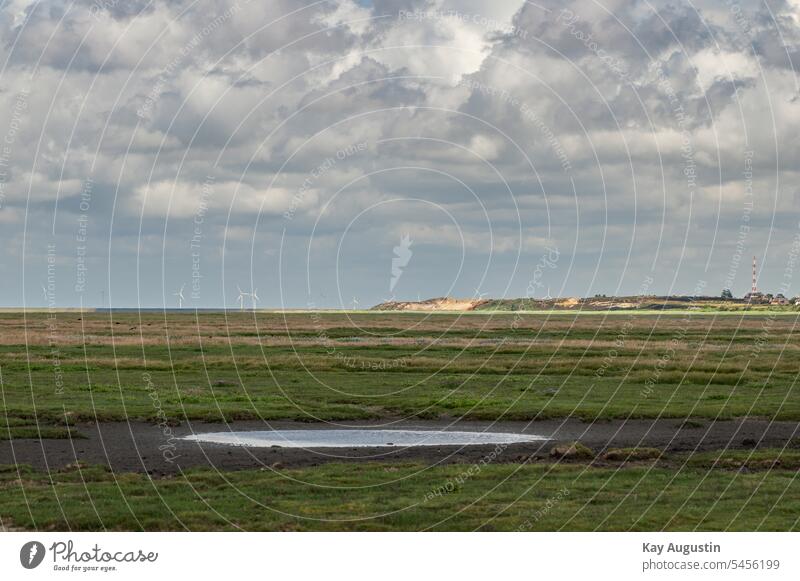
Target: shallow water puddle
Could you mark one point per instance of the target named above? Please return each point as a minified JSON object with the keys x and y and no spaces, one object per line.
{"x":360,"y":438}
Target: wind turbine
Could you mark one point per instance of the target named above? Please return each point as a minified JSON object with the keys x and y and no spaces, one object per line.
{"x":254,"y":296}
{"x":548,"y":297}
{"x":179,"y":294}
{"x":46,"y":296}
{"x":355,"y":303}
{"x":240,"y":298}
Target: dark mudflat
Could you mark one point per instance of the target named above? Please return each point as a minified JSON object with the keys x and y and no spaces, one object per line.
{"x":144,"y":447}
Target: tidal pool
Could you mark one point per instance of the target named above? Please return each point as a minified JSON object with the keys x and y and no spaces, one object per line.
{"x":360,"y":438}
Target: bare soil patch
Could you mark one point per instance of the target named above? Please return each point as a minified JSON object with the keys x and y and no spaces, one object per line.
{"x":146,"y":448}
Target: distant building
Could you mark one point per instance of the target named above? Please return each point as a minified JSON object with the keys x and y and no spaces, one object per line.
{"x":755,"y":297}
{"x":779,"y":299}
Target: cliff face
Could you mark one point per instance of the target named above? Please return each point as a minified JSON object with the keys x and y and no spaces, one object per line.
{"x":438,"y":304}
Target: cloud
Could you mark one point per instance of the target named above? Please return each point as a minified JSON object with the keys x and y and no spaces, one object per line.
{"x":627,"y":133}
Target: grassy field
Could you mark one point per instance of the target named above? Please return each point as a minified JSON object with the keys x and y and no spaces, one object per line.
{"x":57,"y":370}
{"x":335,"y":366}
{"x":411,"y":497}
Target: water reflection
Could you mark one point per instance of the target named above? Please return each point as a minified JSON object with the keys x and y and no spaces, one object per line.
{"x":360,"y":438}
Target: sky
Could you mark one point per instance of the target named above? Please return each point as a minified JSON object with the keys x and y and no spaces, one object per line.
{"x":337,"y":153}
